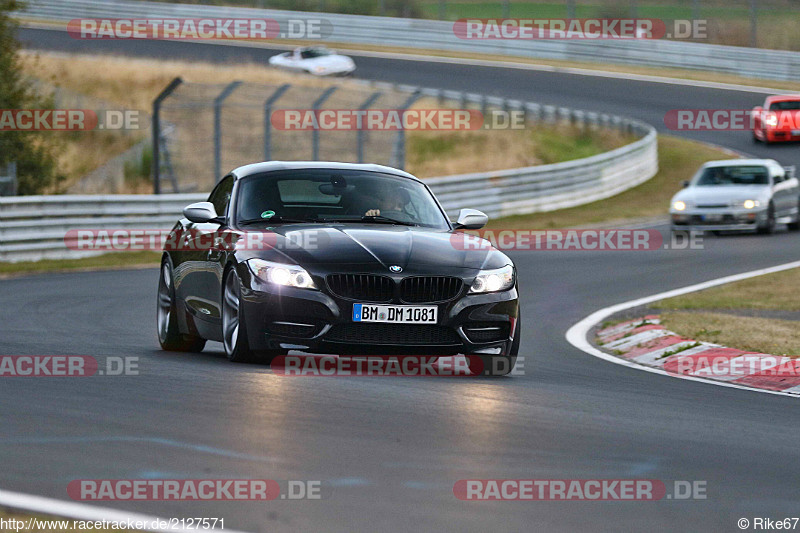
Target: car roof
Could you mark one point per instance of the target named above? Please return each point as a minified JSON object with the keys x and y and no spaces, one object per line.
{"x":731,"y":162}
{"x":783,"y":98}
{"x":271,"y":166}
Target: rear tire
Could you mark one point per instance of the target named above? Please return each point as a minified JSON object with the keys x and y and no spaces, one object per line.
{"x":794,"y":226}
{"x":169,"y":335}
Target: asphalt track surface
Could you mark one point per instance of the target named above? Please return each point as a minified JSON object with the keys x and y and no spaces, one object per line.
{"x":390,"y":449}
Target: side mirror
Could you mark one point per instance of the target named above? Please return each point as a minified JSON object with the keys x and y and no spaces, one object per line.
{"x":685,"y":183}
{"x":471,"y":219}
{"x":200,"y":212}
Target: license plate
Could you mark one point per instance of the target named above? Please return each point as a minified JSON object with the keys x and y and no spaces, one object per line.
{"x":712,"y":218}
{"x":795,"y":133}
{"x":395,"y":314}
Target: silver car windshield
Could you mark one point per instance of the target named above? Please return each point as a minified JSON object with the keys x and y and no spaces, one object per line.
{"x":333,"y":195}
{"x":733,"y":175}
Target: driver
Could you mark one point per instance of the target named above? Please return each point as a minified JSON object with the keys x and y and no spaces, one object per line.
{"x":390,"y":199}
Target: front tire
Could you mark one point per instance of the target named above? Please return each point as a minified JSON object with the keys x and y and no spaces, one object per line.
{"x":769,"y":226}
{"x":234,"y":332}
{"x":169,"y":335}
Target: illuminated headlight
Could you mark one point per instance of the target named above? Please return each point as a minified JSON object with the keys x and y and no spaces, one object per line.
{"x":771,"y":120}
{"x":279,"y":274}
{"x":501,"y":279}
{"x":748,"y":204}
{"x":678,"y":206}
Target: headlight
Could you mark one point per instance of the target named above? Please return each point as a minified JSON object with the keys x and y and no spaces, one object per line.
{"x":279,"y":274}
{"x":771,"y":120}
{"x":678,"y":206}
{"x":750,"y":204}
{"x":501,"y":279}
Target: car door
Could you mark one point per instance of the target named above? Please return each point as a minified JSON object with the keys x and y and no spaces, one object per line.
{"x":202,"y":275}
{"x":781,"y":194}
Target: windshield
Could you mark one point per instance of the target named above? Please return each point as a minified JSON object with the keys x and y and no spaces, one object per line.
{"x":733,"y":175}
{"x":315,"y":52}
{"x":335,"y":195}
{"x":793,"y":105}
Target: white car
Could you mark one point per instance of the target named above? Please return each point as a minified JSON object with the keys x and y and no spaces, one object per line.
{"x":316,"y":60}
{"x":738,"y":194}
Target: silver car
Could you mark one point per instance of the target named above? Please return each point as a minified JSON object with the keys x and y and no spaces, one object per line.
{"x":738,"y":194}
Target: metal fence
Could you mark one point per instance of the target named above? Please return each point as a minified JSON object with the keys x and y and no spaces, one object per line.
{"x":439,"y":35}
{"x":8,"y":180}
{"x":203,"y":130}
{"x":35,"y":227}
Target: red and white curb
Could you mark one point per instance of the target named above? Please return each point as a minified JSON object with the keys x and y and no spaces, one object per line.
{"x":647,"y":342}
{"x":646,"y":345}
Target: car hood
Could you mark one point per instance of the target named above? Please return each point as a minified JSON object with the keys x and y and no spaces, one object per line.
{"x":722,"y":194}
{"x":371,"y":247}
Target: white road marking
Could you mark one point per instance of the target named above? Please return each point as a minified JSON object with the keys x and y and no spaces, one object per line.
{"x":77,"y":511}
{"x":577,"y":334}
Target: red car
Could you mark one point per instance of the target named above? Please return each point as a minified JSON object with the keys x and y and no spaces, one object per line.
{"x":778,"y":120}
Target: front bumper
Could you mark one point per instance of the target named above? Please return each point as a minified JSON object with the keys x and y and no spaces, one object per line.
{"x":718,"y":219}
{"x":315,"y":321}
{"x":783,"y":135}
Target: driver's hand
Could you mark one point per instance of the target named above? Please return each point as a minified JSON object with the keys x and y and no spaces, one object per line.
{"x":373,"y":213}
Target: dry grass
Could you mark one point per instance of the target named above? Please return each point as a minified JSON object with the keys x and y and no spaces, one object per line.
{"x":776,"y":291}
{"x":446,"y":153}
{"x":777,"y":337}
{"x":134,"y":83}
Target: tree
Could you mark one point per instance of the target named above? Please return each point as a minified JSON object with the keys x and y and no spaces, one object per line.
{"x":32,"y":151}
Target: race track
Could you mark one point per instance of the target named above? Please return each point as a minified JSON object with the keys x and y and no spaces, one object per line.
{"x":390,"y":449}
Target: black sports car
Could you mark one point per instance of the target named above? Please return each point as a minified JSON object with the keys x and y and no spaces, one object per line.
{"x":334,"y":258}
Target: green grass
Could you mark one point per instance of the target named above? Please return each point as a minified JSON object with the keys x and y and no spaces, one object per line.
{"x":771,"y":292}
{"x":678,"y":161}
{"x":99,"y":262}
{"x":763,"y":335}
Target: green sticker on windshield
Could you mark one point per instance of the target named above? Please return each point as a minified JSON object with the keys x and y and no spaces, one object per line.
{"x":268,"y":214}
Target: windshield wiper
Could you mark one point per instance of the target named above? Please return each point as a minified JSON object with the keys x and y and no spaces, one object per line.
{"x":277,"y":219}
{"x":378,"y":219}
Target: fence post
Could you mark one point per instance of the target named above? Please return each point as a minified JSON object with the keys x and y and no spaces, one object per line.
{"x":157,"y":132}
{"x":268,"y":118}
{"x":315,"y":133}
{"x":218,"y":126}
{"x":400,"y":146}
{"x":360,"y":132}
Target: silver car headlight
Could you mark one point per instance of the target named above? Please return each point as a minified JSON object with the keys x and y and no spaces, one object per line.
{"x":748,"y":204}
{"x":280,"y":274}
{"x":679,"y":205}
{"x":497,"y":280}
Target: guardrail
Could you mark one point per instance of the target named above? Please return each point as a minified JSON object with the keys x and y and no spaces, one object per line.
{"x":34,"y":227}
{"x":439,"y":35}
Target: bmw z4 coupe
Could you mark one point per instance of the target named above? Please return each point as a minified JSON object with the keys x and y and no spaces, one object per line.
{"x":335,"y":258}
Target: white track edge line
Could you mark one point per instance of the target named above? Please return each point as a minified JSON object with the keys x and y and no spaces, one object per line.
{"x":78,"y":511}
{"x":490,"y":63}
{"x":577,"y":334}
